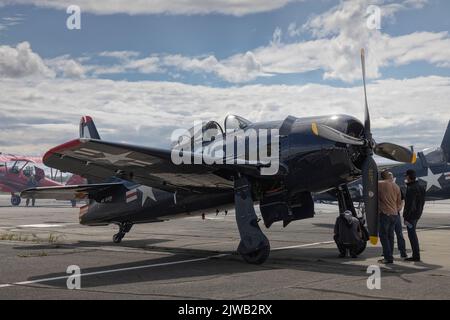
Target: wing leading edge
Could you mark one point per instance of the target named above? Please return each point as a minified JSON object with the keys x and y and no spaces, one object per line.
{"x":99,"y":160}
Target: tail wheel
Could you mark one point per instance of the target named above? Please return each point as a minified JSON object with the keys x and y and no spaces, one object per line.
{"x":117,"y":238}
{"x":15,"y":200}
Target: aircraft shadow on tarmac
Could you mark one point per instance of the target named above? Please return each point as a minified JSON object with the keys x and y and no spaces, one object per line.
{"x":324,"y":225}
{"x":144,"y":244}
{"x":321,"y":260}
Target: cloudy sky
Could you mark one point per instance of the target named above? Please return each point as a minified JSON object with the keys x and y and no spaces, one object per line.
{"x":145,"y":67}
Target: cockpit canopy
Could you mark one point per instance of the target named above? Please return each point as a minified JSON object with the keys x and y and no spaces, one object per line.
{"x":233,"y":123}
{"x":210,"y":131}
{"x":201,"y":133}
{"x":434,"y":156}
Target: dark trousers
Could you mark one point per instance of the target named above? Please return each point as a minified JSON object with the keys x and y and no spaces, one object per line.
{"x":387,"y":226}
{"x":398,"y":228}
{"x":33,"y":201}
{"x":413,"y":239}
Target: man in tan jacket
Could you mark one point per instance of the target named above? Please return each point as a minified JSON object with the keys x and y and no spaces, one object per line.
{"x":389,"y":205}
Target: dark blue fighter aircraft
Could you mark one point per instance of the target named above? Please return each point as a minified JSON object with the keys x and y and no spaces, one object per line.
{"x":433,"y":172}
{"x":132,"y":184}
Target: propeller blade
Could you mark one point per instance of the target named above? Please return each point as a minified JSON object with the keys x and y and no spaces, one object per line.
{"x":370,"y":195}
{"x":367,"y":126}
{"x":329,"y":133}
{"x":395,"y":152}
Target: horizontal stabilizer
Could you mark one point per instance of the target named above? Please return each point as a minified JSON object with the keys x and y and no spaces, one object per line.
{"x":77,"y":192}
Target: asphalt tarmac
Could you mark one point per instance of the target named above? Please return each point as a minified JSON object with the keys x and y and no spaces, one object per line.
{"x":191,"y":258}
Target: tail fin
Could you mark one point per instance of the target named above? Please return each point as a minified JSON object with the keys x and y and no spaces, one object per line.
{"x":88,"y":129}
{"x":445,"y":146}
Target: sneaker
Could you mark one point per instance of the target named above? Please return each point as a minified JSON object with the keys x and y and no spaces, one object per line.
{"x":384,"y":261}
{"x":404,"y":256}
{"x":342,"y":255}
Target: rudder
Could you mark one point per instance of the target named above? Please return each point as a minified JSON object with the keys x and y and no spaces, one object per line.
{"x":88,"y":129}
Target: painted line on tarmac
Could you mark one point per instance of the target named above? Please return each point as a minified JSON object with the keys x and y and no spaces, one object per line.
{"x":302,"y":245}
{"x":39,"y":225}
{"x":112,"y":271}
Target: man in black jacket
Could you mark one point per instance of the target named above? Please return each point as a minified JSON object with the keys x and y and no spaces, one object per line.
{"x":414,"y":203}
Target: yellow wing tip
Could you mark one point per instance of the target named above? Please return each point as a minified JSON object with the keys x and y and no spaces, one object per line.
{"x":314,"y":128}
{"x":373,"y":240}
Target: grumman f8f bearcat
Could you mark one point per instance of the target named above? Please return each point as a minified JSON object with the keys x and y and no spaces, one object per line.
{"x":144,"y":184}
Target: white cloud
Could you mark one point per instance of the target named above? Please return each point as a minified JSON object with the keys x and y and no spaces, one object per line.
{"x":7,"y":22}
{"x":121,"y":55}
{"x":237,"y":69}
{"x":21,"y":62}
{"x":36,"y":115}
{"x":294,"y":30}
{"x":276,"y":37}
{"x":182,"y":7}
{"x":67,"y":67}
{"x":127,"y":63}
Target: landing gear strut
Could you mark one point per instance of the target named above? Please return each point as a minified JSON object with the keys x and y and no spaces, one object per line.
{"x":346,"y":203}
{"x":124,"y":228}
{"x":254,"y":246}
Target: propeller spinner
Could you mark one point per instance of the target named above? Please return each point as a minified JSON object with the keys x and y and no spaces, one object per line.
{"x":369,"y":167}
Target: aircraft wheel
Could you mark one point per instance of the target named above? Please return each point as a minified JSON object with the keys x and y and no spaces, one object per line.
{"x":15,"y":200}
{"x":257,"y":257}
{"x":117,"y":238}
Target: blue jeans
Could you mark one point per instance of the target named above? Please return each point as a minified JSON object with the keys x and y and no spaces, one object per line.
{"x":412,"y":235}
{"x":398,"y":228}
{"x":387,"y":226}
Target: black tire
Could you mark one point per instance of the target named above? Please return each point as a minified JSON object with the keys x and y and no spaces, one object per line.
{"x":15,"y":200}
{"x":257,"y":257}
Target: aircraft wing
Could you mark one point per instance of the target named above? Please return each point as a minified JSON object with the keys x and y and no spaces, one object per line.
{"x":99,"y":159}
{"x":11,"y":158}
{"x":74,"y":192}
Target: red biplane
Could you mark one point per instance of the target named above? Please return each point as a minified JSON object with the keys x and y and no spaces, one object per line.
{"x":18,"y":173}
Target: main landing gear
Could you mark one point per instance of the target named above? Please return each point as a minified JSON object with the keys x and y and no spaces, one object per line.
{"x":346,"y":203}
{"x":15,"y":200}
{"x":124,"y":228}
{"x":254,"y":246}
